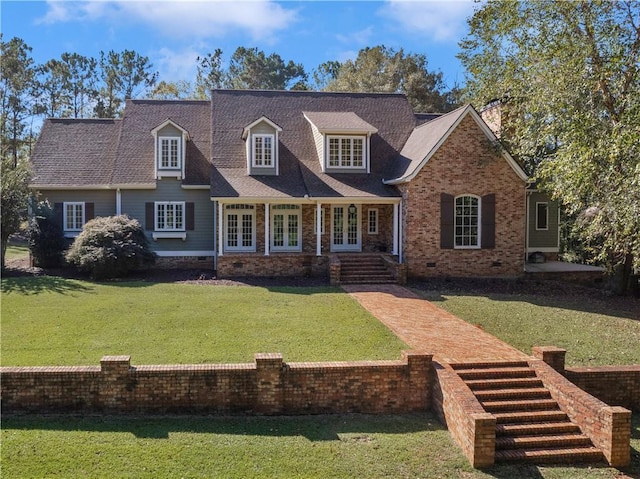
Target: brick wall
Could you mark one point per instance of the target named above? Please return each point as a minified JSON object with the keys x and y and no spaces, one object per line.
{"x":466,"y":163}
{"x":276,"y":264}
{"x":609,"y":427}
{"x":267,"y":386}
{"x":614,"y":385}
{"x":193,"y":262}
{"x":473,"y":429}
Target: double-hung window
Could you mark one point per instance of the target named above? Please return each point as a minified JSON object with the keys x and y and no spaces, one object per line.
{"x":170,"y":154}
{"x":372,"y":221}
{"x":240,"y":227}
{"x":73,"y":216}
{"x":169,"y":216}
{"x":542,"y":216}
{"x":263,"y":150}
{"x":467,"y":222}
{"x":346,"y":152}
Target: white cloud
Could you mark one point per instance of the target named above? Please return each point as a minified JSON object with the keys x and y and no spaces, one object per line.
{"x":176,"y":65}
{"x":442,"y":21}
{"x":360,"y":37}
{"x":181,"y":18}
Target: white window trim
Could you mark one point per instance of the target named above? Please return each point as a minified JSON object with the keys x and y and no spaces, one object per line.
{"x":165,"y":232}
{"x":73,"y":231}
{"x":377,"y":215}
{"x":479,"y":234}
{"x":365,"y":153}
{"x":315,"y":221}
{"x":249,"y":209}
{"x":161,"y":139}
{"x":274,"y":212}
{"x":253,"y":150}
{"x":547,"y":219}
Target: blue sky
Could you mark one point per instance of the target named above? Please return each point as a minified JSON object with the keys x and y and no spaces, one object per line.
{"x":173,"y":33}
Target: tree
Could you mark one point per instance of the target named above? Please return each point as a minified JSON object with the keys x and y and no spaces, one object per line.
{"x":46,"y":237}
{"x":210,"y":74}
{"x":380,"y":69}
{"x":178,"y":90}
{"x":52,"y":79}
{"x":123,"y":75}
{"x":16,"y":87}
{"x":250,"y":68}
{"x":14,"y":195}
{"x":569,"y":76}
{"x":81,"y":82}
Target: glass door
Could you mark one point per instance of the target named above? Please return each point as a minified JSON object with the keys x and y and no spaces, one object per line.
{"x":345,"y":228}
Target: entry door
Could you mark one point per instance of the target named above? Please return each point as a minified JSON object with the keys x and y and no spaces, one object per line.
{"x":345,"y":228}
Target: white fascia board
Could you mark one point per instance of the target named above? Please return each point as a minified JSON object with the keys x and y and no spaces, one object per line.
{"x":169,"y":121}
{"x":262,"y":119}
{"x":73,"y":187}
{"x":196,"y":187}
{"x":309,"y":200}
{"x":185,"y":253}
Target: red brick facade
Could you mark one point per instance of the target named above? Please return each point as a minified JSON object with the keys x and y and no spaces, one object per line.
{"x":466,"y":163}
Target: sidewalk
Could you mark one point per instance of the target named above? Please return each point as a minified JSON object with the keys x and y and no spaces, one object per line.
{"x":425,"y":327}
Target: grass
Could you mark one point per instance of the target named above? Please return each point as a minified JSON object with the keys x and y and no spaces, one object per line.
{"x":16,"y":251}
{"x":340,"y":446}
{"x":76,"y":322}
{"x":56,"y":321}
{"x":592,"y":331}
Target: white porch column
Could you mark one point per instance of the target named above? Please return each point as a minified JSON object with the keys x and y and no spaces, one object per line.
{"x":400,"y":232}
{"x":396,"y":229}
{"x":220,"y":232}
{"x":266,"y":229}
{"x":318,"y":229}
{"x":118,"y":202}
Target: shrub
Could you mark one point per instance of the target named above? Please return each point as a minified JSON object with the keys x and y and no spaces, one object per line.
{"x":45,"y":236}
{"x":110,"y":247}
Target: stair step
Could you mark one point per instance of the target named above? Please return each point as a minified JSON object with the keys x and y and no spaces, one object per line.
{"x":511,"y":393}
{"x":495,"y":373}
{"x":551,"y":455}
{"x":519,"y":417}
{"x":546,"y":442}
{"x":503,"y":383}
{"x":490,"y":365}
{"x":542,"y":428}
{"x":520,"y":405}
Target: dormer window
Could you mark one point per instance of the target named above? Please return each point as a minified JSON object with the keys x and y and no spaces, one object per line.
{"x":342,"y":141}
{"x":170,"y":149}
{"x":346,"y":151}
{"x":263,"y":153}
{"x":261,"y":138}
{"x":170,"y":153}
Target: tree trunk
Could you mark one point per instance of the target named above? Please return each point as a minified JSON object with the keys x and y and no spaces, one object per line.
{"x":620,"y":279}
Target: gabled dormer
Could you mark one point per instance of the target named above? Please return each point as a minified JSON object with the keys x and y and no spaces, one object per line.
{"x":170,"y":147}
{"x":342,"y":141}
{"x":261,"y":139}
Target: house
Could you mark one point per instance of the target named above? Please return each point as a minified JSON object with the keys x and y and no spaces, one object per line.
{"x":293,"y":183}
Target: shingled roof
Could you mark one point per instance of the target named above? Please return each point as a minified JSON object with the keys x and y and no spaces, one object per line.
{"x":75,"y":153}
{"x":97,"y":153}
{"x":300,"y":170}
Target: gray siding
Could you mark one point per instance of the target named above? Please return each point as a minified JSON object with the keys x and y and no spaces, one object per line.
{"x":170,"y":189}
{"x":543,"y":238}
{"x":263,"y":129}
{"x":104,"y":200}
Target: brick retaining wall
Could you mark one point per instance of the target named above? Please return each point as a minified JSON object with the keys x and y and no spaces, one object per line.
{"x":267,"y":386}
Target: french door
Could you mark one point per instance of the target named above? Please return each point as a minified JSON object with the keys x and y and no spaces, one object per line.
{"x":345,"y":228}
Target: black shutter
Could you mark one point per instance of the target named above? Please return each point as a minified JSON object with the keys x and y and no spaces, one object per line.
{"x":190,"y":220}
{"x":488,"y":213}
{"x":89,"y":212}
{"x":58,"y":209}
{"x":446,"y":221}
{"x":149,"y":216}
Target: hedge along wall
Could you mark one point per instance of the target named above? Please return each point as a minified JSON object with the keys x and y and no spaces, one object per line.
{"x":267,"y":386}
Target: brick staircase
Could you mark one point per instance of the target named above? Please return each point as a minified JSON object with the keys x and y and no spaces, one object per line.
{"x":530,"y":426}
{"x":364,"y":269}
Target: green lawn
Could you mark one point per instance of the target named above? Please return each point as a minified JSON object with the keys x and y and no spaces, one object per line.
{"x":593,"y":331}
{"x":340,"y":446}
{"x":51,"y":320}
{"x":15,"y":251}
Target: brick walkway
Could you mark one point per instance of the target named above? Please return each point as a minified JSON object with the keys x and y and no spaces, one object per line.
{"x":425,"y":327}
